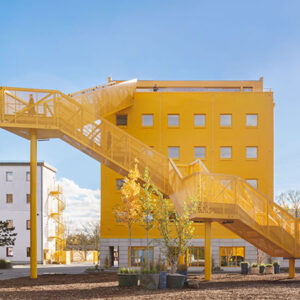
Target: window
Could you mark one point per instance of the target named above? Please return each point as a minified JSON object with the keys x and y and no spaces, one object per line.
{"x":199,"y":120}
{"x":9,"y":176}
{"x":28,"y":251}
{"x":147,"y":120}
{"x":251,"y":152}
{"x":120,"y":183}
{"x":173,"y":120}
{"x":247,"y":89}
{"x":251,"y":120}
{"x":9,"y":198}
{"x":225,"y":120}
{"x":139,"y":256}
{"x":252,"y":182}
{"x":121,"y":120}
{"x":199,"y":152}
{"x":28,"y":198}
{"x":225,"y":152}
{"x":28,"y":224}
{"x":173,"y":152}
{"x":196,"y":256}
{"x":27,"y":176}
{"x":231,"y":256}
{"x":9,"y":252}
{"x":10,"y":223}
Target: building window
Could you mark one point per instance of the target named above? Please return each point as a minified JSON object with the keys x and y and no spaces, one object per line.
{"x":28,"y":198}
{"x":199,"y":152}
{"x":231,"y":256}
{"x":9,"y":176}
{"x":9,"y":198}
{"x":225,"y":152}
{"x":139,"y":256}
{"x":247,"y":89}
{"x":199,"y":120}
{"x":173,"y":120}
{"x":173,"y":152}
{"x":9,"y":252}
{"x":28,"y":224}
{"x":251,"y":152}
{"x":251,"y":120}
{"x":121,"y":120}
{"x":27,"y":176}
{"x":252,"y":182}
{"x":147,"y":120}
{"x":28,"y":251}
{"x":225,"y":120}
{"x":196,"y":256}
{"x":10,"y":223}
{"x":119,"y":183}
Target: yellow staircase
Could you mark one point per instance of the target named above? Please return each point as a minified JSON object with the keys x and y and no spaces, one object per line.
{"x":78,"y":119}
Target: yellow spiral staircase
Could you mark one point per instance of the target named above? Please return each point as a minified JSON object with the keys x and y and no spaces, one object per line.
{"x":79,"y":119}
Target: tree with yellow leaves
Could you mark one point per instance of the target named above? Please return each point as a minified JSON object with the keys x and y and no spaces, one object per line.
{"x":128,"y":211}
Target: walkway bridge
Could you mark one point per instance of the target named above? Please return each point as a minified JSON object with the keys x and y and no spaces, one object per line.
{"x":79,"y":119}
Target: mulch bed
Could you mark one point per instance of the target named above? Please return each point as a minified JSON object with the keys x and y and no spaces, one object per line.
{"x":105,"y":285}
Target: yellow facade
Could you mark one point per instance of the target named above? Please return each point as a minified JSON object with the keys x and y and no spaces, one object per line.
{"x":187,"y":98}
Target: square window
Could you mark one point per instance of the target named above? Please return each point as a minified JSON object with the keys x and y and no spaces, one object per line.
{"x":199,"y":152}
{"x":225,"y":152}
{"x":120,"y":183}
{"x":251,"y":152}
{"x":9,"y":198}
{"x":9,"y":252}
{"x":121,"y":120}
{"x":10,"y":223}
{"x":199,"y":120}
{"x":9,"y":176}
{"x":252,"y":182}
{"x":225,"y":120}
{"x":147,"y":120}
{"x":251,"y":120}
{"x":28,"y":224}
{"x":27,"y":176}
{"x":173,"y":120}
{"x":28,"y":198}
{"x":173,"y":152}
{"x":28,"y":251}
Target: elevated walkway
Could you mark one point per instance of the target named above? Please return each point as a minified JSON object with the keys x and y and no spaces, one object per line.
{"x":79,"y":120}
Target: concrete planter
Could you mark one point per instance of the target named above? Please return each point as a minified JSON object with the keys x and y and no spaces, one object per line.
{"x":254,"y":270}
{"x":175,"y":281}
{"x":162,"y":280}
{"x":245,"y":268}
{"x":149,"y":281}
{"x":270,"y":270}
{"x":276,"y":269}
{"x":128,"y":279}
{"x":262,"y":269}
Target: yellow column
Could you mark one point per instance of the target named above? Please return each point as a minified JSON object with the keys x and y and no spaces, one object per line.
{"x":292,"y":267}
{"x":207,"y":251}
{"x":33,"y":196}
{"x":181,"y":259}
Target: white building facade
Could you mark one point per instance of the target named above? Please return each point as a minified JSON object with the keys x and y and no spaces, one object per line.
{"x":15,"y":207}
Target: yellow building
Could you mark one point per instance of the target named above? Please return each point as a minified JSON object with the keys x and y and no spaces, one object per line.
{"x":226,"y":124}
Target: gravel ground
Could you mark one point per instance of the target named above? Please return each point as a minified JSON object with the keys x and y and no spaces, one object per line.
{"x":105,"y":285}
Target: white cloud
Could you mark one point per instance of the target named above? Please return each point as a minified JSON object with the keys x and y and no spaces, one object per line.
{"x":82,"y":204}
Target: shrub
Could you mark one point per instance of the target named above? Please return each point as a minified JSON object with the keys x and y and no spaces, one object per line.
{"x":276,"y":263}
{"x":244,"y":263}
{"x":145,"y":270}
{"x":262,"y":265}
{"x":127,"y":271}
{"x":269,"y":265}
{"x":254,"y":265}
{"x":161,"y":267}
{"x":182,"y":268}
{"x":5,"y":264}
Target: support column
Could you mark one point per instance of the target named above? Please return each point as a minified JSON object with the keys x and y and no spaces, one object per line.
{"x":33,"y":200}
{"x":207,"y":251}
{"x":292,"y":267}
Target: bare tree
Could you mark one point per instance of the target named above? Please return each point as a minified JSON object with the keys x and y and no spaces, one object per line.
{"x":290,"y":201}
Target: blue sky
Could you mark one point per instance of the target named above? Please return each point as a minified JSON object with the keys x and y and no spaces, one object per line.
{"x":70,"y":45}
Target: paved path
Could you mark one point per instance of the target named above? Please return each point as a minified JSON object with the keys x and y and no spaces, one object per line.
{"x":24,"y":270}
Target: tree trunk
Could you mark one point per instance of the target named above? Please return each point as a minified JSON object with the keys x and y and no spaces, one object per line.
{"x":129,"y":227}
{"x":147,"y":251}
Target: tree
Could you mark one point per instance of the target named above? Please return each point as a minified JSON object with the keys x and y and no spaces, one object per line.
{"x":7,"y":234}
{"x":127,"y":212}
{"x":175,"y":228}
{"x":147,"y":208}
{"x":92,"y":230}
{"x":290,"y":201}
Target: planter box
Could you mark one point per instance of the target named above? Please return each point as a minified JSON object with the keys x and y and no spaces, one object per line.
{"x":175,"y":281}
{"x":269,"y":270}
{"x":245,"y":269}
{"x":262,"y":269}
{"x":128,"y":279}
{"x":276,"y":269}
{"x":162,"y":280}
{"x":149,"y":281}
{"x":255,"y":270}
{"x":184,"y":273}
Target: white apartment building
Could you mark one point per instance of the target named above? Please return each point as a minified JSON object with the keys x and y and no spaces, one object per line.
{"x":15,"y":207}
